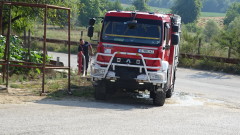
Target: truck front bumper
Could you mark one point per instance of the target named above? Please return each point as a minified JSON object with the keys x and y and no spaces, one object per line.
{"x":157,"y":77}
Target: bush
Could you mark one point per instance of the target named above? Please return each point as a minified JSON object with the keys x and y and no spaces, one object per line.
{"x":18,"y":53}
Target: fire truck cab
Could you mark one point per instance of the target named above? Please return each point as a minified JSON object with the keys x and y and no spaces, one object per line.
{"x":136,"y":51}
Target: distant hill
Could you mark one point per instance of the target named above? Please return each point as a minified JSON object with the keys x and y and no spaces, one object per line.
{"x":167,"y":10}
{"x":219,"y":6}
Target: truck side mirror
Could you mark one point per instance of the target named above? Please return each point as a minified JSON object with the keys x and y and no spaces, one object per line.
{"x":91,"y":21}
{"x":90,"y":31}
{"x":175,"y":39}
{"x":175,"y":28}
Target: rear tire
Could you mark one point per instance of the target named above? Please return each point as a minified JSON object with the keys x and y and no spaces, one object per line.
{"x":159,"y":98}
{"x":100,"y":90}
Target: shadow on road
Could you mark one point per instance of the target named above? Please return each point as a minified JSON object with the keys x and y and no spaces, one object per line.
{"x":119,"y":101}
{"x":212,"y":75}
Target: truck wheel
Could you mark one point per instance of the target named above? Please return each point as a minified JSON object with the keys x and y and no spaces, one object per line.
{"x":159,"y":98}
{"x":169,"y":92}
{"x":110,"y":89}
{"x":100,"y":90}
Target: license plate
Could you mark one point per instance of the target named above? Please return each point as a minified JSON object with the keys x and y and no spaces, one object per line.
{"x":145,"y":51}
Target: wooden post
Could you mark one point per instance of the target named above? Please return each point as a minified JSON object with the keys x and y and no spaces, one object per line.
{"x":199,"y":45}
{"x":81,"y":34}
{"x":25,"y":38}
{"x":229,"y":52}
{"x":29,"y":44}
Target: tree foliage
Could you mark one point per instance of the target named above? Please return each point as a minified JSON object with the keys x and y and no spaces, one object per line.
{"x":230,"y":37}
{"x":88,"y":10}
{"x":117,"y":5}
{"x":211,"y":30}
{"x":141,"y":5}
{"x":25,"y":17}
{"x":189,"y":10}
{"x":232,"y":13}
{"x":18,"y":53}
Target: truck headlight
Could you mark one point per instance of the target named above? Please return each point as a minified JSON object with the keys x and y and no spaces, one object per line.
{"x":156,"y":77}
{"x":99,"y":71}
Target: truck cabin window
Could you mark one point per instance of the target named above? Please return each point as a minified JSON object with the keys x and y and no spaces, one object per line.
{"x":145,"y":32}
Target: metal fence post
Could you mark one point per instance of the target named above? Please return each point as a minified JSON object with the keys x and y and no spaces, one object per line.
{"x":69,"y":52}
{"x":44,"y":49}
{"x":29,"y":44}
{"x":8,"y":45}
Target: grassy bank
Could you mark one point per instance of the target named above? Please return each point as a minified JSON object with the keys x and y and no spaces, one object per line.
{"x":55,"y":85}
{"x":210,"y":65}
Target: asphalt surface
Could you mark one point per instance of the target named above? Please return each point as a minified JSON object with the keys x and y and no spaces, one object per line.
{"x":204,"y":103}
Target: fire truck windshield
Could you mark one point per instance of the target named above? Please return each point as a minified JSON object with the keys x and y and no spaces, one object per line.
{"x":146,"y":32}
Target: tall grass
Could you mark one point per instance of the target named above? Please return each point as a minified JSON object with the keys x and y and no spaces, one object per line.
{"x":212,"y":14}
{"x":55,"y":32}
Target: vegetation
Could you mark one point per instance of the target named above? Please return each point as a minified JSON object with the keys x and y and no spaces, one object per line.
{"x":141,"y":5}
{"x":188,"y":10}
{"x":211,"y":29}
{"x":56,"y":85}
{"x":219,"y":6}
{"x":207,"y":64}
{"x":230,"y":38}
{"x":232,"y":13}
{"x":195,"y":39}
{"x":19,"y":53}
{"x":26,"y":17}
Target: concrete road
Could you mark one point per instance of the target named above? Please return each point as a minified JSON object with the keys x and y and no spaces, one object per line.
{"x":64,"y":58}
{"x":204,"y":103}
{"x":213,"y":85}
{"x":95,"y":118}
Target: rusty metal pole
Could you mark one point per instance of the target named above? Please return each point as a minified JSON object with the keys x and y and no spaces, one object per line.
{"x":69,"y":52}
{"x":44,"y":50}
{"x":1,"y":16}
{"x":8,"y":45}
{"x":1,"y":29}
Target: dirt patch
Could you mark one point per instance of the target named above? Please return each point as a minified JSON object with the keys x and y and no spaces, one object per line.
{"x":18,"y":96}
{"x":203,"y":21}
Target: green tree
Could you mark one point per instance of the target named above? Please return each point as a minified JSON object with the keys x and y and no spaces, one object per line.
{"x":211,"y":30}
{"x":88,"y":10}
{"x":191,"y":34}
{"x":26,"y":17}
{"x":141,"y":5}
{"x":229,"y":38}
{"x":189,"y":10}
{"x":232,"y":12}
{"x":117,"y":5}
{"x":131,"y":8}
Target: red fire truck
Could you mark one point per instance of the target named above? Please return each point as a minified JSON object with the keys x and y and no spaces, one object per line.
{"x":137,"y":51}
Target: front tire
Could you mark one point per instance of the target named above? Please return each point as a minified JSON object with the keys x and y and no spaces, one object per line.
{"x":100,"y":90}
{"x":159,"y":97}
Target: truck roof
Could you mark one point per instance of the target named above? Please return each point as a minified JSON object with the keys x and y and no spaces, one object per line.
{"x":143,"y":15}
